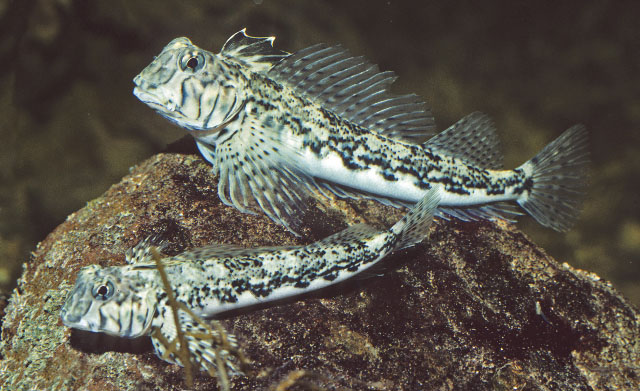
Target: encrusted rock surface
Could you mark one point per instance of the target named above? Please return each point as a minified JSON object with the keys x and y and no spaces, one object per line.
{"x":478,"y":306}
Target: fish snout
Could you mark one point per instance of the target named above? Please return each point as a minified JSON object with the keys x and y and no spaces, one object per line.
{"x":69,"y":318}
{"x":76,"y":306}
{"x":137,"y":80}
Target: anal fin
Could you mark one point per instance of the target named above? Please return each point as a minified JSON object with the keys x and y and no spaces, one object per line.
{"x":499,"y":210}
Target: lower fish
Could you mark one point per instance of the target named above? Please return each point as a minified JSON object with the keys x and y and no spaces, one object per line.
{"x":131,"y":301}
{"x":277,"y":125}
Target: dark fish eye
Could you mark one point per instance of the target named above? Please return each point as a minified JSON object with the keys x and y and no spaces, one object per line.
{"x":103,"y":291}
{"x":192,"y":62}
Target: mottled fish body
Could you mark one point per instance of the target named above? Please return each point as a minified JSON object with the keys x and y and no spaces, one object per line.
{"x":130,"y":301}
{"x":277,"y":125}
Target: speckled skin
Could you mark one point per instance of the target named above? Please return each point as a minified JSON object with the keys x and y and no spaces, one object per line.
{"x":273,"y":126}
{"x":130,"y":301}
{"x":335,"y":149}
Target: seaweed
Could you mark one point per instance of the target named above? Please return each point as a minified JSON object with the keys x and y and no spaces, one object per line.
{"x":300,"y":378}
{"x":218,"y":336}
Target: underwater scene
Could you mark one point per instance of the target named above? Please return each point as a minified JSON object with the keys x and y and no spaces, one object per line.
{"x":283,"y":195}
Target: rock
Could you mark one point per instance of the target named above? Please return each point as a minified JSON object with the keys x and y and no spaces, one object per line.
{"x":478,"y":306}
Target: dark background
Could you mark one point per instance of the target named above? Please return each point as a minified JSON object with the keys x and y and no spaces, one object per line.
{"x":70,"y":127}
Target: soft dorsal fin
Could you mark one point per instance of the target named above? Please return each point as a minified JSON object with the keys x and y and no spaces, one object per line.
{"x":413,"y":228}
{"x":472,"y":139}
{"x":351,"y":234}
{"x":257,"y":53}
{"x":356,"y":90}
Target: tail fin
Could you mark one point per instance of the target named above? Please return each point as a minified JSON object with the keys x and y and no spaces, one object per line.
{"x":414,"y":226}
{"x":558,"y":173}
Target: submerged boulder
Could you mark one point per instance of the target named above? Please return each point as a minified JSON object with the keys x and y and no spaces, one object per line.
{"x":477,"y":306}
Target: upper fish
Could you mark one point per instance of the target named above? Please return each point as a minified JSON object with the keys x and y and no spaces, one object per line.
{"x":131,"y":300}
{"x":276,"y":126}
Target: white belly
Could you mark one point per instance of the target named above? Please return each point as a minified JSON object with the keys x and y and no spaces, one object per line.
{"x":332,"y":169}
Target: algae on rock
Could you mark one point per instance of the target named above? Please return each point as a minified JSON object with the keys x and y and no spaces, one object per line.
{"x":477,"y":306}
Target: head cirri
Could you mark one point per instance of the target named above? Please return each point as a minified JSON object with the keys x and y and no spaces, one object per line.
{"x":105,"y":300}
{"x":190,"y":86}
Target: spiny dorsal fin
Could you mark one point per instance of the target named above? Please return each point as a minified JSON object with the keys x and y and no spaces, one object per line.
{"x":472,"y":139}
{"x":257,"y":53}
{"x":141,"y":252}
{"x":356,"y":90}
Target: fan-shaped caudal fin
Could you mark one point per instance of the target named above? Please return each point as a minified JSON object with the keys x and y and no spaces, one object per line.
{"x":558,"y":174}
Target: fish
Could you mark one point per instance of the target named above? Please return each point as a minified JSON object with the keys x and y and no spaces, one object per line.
{"x":130,"y":301}
{"x":281,"y":127}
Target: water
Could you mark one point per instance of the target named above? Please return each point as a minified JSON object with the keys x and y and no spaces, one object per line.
{"x":70,"y":126}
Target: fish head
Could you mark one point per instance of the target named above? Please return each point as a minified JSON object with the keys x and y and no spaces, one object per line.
{"x":106,"y":300}
{"x":192,"y":87}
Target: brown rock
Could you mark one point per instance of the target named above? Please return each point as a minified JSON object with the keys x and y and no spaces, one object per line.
{"x":477,"y":307}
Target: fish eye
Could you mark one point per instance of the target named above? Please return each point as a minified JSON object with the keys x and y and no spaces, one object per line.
{"x":192,"y":62}
{"x":103,"y":291}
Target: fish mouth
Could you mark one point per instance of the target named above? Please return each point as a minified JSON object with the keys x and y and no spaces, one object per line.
{"x":155,"y":102}
{"x":141,"y":91}
{"x":146,"y":97}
